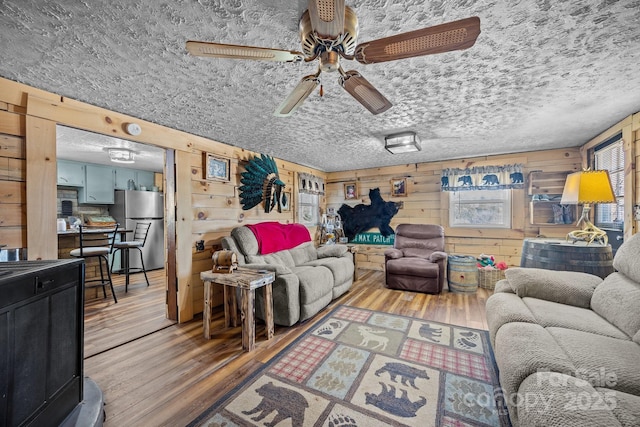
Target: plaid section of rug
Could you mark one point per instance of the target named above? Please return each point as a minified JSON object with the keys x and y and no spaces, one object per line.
{"x":359,"y":367}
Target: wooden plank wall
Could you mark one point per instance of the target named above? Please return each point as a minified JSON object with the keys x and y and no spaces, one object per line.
{"x":425,"y":203}
{"x":205,"y":210}
{"x":216,"y":209}
{"x":13,"y":198}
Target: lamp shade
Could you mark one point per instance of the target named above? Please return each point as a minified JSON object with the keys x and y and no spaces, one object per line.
{"x":588,"y":187}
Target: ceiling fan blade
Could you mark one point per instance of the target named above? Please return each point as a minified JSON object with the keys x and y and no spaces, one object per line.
{"x":297,"y":97}
{"x":327,"y":17}
{"x":364,"y":92}
{"x":219,"y":50}
{"x":455,"y":35}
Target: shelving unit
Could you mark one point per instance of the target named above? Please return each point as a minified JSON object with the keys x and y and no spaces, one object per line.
{"x":551,"y":185}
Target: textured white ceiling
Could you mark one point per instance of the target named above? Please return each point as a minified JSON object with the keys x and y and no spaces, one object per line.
{"x":542,"y":74}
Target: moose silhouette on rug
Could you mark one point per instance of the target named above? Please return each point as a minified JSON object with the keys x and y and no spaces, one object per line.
{"x":360,"y":218}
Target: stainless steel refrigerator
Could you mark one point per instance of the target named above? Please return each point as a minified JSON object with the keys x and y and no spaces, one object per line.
{"x":132,"y":206}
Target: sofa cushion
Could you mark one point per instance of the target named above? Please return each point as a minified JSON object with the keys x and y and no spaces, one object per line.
{"x":557,"y":400}
{"x":419,"y":267}
{"x":281,"y":258}
{"x":523,"y":349}
{"x":613,"y":361}
{"x":341,"y":268}
{"x":316,"y":289}
{"x":625,"y":406}
{"x":567,"y":287}
{"x":246,"y":240}
{"x":303,"y":253}
{"x":332,"y":251}
{"x":549,"y":314}
{"x":626,"y":258}
{"x":315,"y":282}
{"x":417,"y":252}
{"x":617,"y":299}
{"x":506,"y":308}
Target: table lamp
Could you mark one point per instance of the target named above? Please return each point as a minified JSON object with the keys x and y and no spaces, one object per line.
{"x":584,"y":188}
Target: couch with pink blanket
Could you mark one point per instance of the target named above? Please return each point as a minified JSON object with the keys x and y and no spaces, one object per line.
{"x":307,"y":278}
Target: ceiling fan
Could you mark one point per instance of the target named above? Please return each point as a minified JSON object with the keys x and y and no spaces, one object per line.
{"x":328,"y":31}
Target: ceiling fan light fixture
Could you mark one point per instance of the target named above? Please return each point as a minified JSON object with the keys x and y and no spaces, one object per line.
{"x":404,"y":142}
{"x":121,"y":155}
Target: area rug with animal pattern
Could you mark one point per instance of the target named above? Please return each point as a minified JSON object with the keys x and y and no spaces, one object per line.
{"x":359,"y":367}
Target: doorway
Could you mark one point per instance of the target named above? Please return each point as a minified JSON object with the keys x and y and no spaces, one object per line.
{"x":142,"y":309}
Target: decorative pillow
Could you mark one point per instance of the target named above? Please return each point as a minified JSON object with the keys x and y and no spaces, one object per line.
{"x":565,"y":287}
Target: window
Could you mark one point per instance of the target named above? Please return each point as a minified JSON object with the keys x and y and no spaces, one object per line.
{"x":487,"y":209}
{"x":610,"y":156}
{"x":308,"y":208}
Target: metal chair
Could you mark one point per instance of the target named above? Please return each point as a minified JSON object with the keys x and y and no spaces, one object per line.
{"x":97,"y":244}
{"x":139,"y":239}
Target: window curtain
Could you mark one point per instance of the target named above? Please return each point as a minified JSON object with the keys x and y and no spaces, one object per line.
{"x":483,"y":178}
{"x":310,"y":184}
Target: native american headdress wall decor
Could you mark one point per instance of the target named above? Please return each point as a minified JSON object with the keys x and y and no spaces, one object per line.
{"x":261,"y":182}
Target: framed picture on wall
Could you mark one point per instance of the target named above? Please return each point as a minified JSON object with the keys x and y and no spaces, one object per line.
{"x":216,"y":168}
{"x":350,"y":190}
{"x":285,"y":201}
{"x":399,"y":187}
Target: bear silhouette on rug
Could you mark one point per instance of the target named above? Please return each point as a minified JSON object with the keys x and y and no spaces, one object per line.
{"x":361,"y":218}
{"x":285,"y":402}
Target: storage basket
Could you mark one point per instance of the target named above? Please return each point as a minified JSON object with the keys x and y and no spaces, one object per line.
{"x":487,"y":279}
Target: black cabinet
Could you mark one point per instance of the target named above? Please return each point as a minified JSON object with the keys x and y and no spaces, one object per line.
{"x":41,"y":337}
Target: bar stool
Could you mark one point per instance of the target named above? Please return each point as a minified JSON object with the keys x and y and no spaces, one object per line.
{"x":139,"y":239}
{"x":92,"y":245}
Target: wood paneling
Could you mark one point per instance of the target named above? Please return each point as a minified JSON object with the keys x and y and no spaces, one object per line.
{"x":42,"y":238}
{"x":425,"y":203}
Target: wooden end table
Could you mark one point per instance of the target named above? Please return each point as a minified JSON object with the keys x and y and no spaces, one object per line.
{"x":248,"y":281}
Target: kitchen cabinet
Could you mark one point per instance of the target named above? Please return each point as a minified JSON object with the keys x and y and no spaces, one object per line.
{"x":99,"y":185}
{"x":145,"y":178}
{"x":123,"y":175}
{"x":70,"y":174}
{"x":141,"y":178}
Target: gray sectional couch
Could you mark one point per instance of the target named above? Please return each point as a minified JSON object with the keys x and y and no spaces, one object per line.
{"x":567,"y":344}
{"x":307,"y":278}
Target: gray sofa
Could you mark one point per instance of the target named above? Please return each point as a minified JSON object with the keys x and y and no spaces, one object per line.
{"x":307,"y":278}
{"x":567,"y":344}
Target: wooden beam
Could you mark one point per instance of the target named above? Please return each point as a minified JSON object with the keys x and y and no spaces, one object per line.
{"x":42,"y":238}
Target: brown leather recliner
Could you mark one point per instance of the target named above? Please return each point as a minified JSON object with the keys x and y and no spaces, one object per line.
{"x":417,"y":260}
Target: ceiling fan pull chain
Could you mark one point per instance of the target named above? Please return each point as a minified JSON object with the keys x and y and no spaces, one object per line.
{"x":321,"y":91}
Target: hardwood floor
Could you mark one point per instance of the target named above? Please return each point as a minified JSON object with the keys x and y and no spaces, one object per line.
{"x":139,"y":312}
{"x":167,"y":378}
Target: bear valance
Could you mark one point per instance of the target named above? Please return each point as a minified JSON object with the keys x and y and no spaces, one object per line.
{"x":308,"y":183}
{"x":483,"y":178}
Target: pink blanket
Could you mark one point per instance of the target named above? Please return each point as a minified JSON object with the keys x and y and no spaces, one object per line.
{"x":274,"y":237}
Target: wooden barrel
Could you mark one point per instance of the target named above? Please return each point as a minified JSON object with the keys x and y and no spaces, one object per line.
{"x":462,"y":273}
{"x":558,"y":254}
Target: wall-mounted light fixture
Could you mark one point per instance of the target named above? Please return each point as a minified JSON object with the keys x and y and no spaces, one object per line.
{"x":404,"y":142}
{"x":121,"y":155}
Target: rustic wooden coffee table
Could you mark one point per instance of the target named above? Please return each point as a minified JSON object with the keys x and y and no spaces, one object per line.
{"x":248,"y":281}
